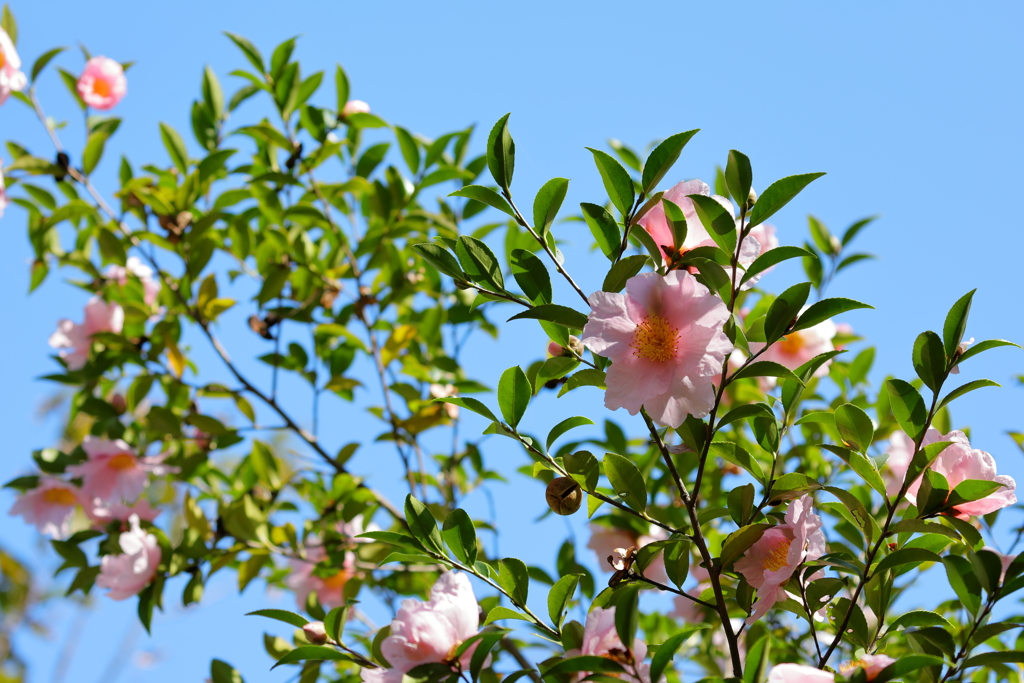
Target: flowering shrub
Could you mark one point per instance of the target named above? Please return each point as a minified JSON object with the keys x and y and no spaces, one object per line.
{"x":794,"y":501}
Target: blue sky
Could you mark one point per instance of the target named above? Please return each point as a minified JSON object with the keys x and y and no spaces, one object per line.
{"x":914,"y":114}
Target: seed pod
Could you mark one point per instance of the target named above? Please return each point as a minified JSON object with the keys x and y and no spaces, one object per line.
{"x":564,"y":496}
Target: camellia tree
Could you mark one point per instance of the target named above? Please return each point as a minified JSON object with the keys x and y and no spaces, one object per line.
{"x":782,"y":502}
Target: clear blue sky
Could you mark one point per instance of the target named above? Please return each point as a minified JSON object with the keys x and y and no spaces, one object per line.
{"x":913,"y":110}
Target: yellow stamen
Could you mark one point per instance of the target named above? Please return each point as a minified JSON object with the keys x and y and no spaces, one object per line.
{"x":655,"y":339}
{"x":59,"y":496}
{"x":122,"y":461}
{"x":336,"y":582}
{"x":101,"y":87}
{"x":778,"y":558}
{"x":793,"y":342}
{"x":3,"y":59}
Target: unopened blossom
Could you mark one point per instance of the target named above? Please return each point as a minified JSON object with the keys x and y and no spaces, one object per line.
{"x":102,"y":84}
{"x":770,"y":562}
{"x":315,"y":632}
{"x":114,"y":472}
{"x":600,"y":639}
{"x":355,"y":107}
{"x":665,"y":340}
{"x":131,"y":571}
{"x":430,"y":632}
{"x":796,"y":348}
{"x":961,"y":348}
{"x":872,"y":665}
{"x":74,"y":339}
{"x":959,"y":462}
{"x":444,"y":391}
{"x":799,"y":673}
{"x":330,"y":590}
{"x":49,"y":506}
{"x":104,"y":512}
{"x":12,"y":79}
{"x":604,"y":541}
{"x":555,"y":349}
{"x":135,"y":266}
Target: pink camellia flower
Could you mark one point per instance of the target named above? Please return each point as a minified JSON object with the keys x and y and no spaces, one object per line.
{"x":604,"y":541}
{"x":799,"y":673}
{"x":113,"y":472}
{"x":128,"y":573}
{"x":49,"y":506}
{"x":99,"y":317}
{"x":444,"y":391}
{"x":665,"y":338}
{"x":796,"y":348}
{"x":600,"y":639}
{"x":104,"y":512}
{"x":429,"y":632}
{"x":330,"y":590}
{"x":11,"y":77}
{"x":872,"y":665}
{"x":134,"y":266}
{"x":900,"y":452}
{"x":102,"y":84}
{"x":959,"y":462}
{"x":355,"y":107}
{"x":771,"y":561}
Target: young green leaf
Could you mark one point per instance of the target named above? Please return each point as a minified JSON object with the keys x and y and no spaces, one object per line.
{"x":907,"y":407}
{"x":514,"y":392}
{"x":603,"y":227}
{"x":777,"y":195}
{"x":560,"y":595}
{"x":486,"y":196}
{"x":617,"y":182}
{"x":622,"y":271}
{"x":564,"y":426}
{"x":662,"y":158}
{"x":738,"y":176}
{"x":532,"y":276}
{"x":547,"y":202}
{"x":626,"y":480}
{"x":821,"y":311}
{"x":956,"y":323}
{"x":501,"y":153}
{"x":515,"y":579}
{"x":930,"y":359}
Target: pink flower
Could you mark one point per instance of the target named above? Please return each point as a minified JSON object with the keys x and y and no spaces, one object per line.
{"x":796,"y":348}
{"x":605,"y":540}
{"x":872,"y":665}
{"x":113,"y":472}
{"x":99,"y":317}
{"x":103,"y":513}
{"x":11,"y":76}
{"x":128,"y":573}
{"x":771,"y":561}
{"x":330,"y":590}
{"x":600,"y":639}
{"x":355,"y":107}
{"x":900,"y":452}
{"x":429,"y":632}
{"x":444,"y":391}
{"x":102,"y":84}
{"x":798,"y":673}
{"x":1005,"y":560}
{"x":665,"y":338}
{"x":555,"y":350}
{"x":49,"y":506}
{"x":959,"y":462}
{"x":134,"y":266}
{"x":353,"y":528}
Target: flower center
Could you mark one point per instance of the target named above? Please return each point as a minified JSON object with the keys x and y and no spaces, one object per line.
{"x":58,"y":496}
{"x":336,"y":582}
{"x":779,"y":556}
{"x":122,"y":461}
{"x":3,"y":59}
{"x":101,"y":87}
{"x":655,"y":339}
{"x":793,"y":342}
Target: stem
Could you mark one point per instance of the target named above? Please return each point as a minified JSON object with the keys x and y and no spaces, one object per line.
{"x":810,"y":617}
{"x":965,"y":648}
{"x":628,"y":226}
{"x":669,"y":589}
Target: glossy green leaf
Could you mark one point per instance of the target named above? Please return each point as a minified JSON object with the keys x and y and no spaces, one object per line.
{"x":908,"y":407}
{"x":547,"y":202}
{"x":930,"y":359}
{"x":479,"y":262}
{"x":459,"y":535}
{"x":766,"y":368}
{"x":470,"y":404}
{"x":560,"y":595}
{"x":296,"y":620}
{"x":617,"y":182}
{"x":43,"y":60}
{"x":501,"y":153}
{"x":661,"y":160}
{"x":440,"y":258}
{"x":175,"y":147}
{"x":603,"y":227}
{"x":963,"y":389}
{"x":771,"y":258}
{"x":984,"y":346}
{"x":532,"y":276}
{"x":555,"y":313}
{"x":422,"y":524}
{"x":784,"y":311}
{"x":564,"y":426}
{"x":777,"y":195}
{"x":854,"y":426}
{"x":956,"y":323}
{"x":514,"y":392}
{"x":316,"y":653}
{"x":514,"y":578}
{"x":622,"y":271}
{"x":820,"y":311}
{"x":717,"y":221}
{"x":486,"y":196}
{"x":626,"y":480}
{"x":738,"y":176}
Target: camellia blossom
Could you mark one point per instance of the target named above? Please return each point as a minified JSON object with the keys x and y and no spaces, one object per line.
{"x":799,"y":673}
{"x":900,"y":453}
{"x":430,"y":632}
{"x":11,"y":77}
{"x":330,"y":590}
{"x":959,"y":462}
{"x":135,"y":266}
{"x":872,"y":665}
{"x":103,"y":513}
{"x":444,"y":391}
{"x":49,"y":506}
{"x":600,"y":639}
{"x":102,"y":84}
{"x":114,"y":472}
{"x":770,"y":562}
{"x":665,"y":339}
{"x":100,"y":316}
{"x":128,"y":573}
{"x":604,"y":541}
{"x":355,"y":107}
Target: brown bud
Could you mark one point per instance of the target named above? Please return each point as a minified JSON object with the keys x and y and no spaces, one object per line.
{"x":118,"y":403}
{"x":259,"y":326}
{"x":564,"y":496}
{"x":328,"y":297}
{"x":315,"y":632}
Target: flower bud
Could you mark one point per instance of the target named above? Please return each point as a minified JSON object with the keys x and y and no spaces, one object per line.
{"x":751,"y":199}
{"x":555,"y":349}
{"x":355,"y":107}
{"x":118,"y":403}
{"x":575,"y":345}
{"x":315,"y":632}
{"x":564,"y":496}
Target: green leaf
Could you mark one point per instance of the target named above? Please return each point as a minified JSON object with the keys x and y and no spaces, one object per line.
{"x":470,"y":404}
{"x":784,"y":311}
{"x":93,"y":151}
{"x":532,"y":276}
{"x":590,"y":663}
{"x":588,"y":377}
{"x":514,"y":392}
{"x":249,"y":50}
{"x":296,"y":620}
{"x":777,"y":195}
{"x":738,"y":176}
{"x":552,"y":369}
{"x":409,"y":148}
{"x":43,"y":60}
{"x":854,"y":426}
{"x":666,"y":652}
{"x":515,"y":579}
{"x":920,"y":619}
{"x":501,"y":153}
{"x":677,"y":560}
{"x":956,"y":323}
{"x":547,"y":202}
{"x":479,"y":262}
{"x":791,"y":486}
{"x":485,"y":195}
{"x":740,"y":540}
{"x":422,"y":524}
{"x":906,"y":556}
{"x":564,"y":426}
{"x":770,"y":258}
{"x":924,"y":458}
{"x":821,"y":311}
{"x":717,"y":220}
{"x":676,"y":219}
{"x":582,"y":466}
{"x":627,"y":602}
{"x":766,"y":368}
{"x":660,"y":161}
{"x":560,"y":595}
{"x":861,"y":465}
{"x":460,"y":536}
{"x":603,"y":227}
{"x":554,"y":313}
{"x":930,"y":359}
{"x":990,"y":658}
{"x":984,"y":346}
{"x":175,"y":147}
{"x":213,"y":96}
{"x":341,"y":87}
{"x":499,"y":612}
{"x":972,"y":489}
{"x":622,"y":271}
{"x":617,"y":182}
{"x":906,"y":664}
{"x":961,"y":390}
{"x":908,"y":407}
{"x":315,"y":653}
{"x":222,"y":672}
{"x":626,"y":480}
{"x":440,"y":258}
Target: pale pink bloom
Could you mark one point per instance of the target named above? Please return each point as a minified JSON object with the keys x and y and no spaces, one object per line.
{"x":872,"y":665}
{"x":796,"y":348}
{"x":100,"y":316}
{"x":900,"y":452}
{"x":355,"y":107}
{"x":135,"y":266}
{"x":600,"y":639}
{"x":114,"y":472}
{"x":11,"y":76}
{"x":665,"y":338}
{"x":330,"y":590}
{"x":128,"y":573}
{"x":1005,"y":560}
{"x":959,"y":462}
{"x":799,"y":673}
{"x":605,"y":540}
{"x":430,"y":632}
{"x":102,"y":84}
{"x":103,"y":513}
{"x":844,"y":329}
{"x":772,"y":560}
{"x":955,"y":370}
{"x":444,"y":391}
{"x":49,"y":506}
{"x":4,"y":202}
